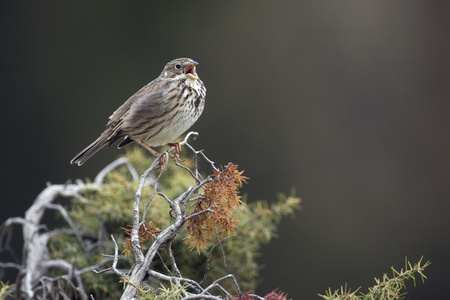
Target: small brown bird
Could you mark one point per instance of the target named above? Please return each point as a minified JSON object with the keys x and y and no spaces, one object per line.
{"x":157,"y":114}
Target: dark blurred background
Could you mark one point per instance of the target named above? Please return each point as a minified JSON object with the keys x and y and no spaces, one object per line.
{"x":347,"y":101}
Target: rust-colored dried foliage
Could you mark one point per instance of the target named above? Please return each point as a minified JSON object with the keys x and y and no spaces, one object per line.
{"x":276,"y":295}
{"x":273,"y":295}
{"x":221,"y":197}
{"x":146,"y":233}
{"x":244,"y":296}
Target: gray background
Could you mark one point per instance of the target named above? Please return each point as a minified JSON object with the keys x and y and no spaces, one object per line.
{"x":347,"y":101}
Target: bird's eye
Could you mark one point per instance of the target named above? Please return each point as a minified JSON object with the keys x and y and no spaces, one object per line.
{"x":177,"y":66}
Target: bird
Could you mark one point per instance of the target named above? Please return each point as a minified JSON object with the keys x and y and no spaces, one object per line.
{"x":156,"y":114}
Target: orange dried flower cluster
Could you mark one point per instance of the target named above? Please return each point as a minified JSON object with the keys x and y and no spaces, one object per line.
{"x":221,"y":197}
{"x":146,"y":233}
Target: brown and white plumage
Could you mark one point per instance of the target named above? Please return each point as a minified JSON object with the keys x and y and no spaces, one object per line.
{"x":158,"y":113}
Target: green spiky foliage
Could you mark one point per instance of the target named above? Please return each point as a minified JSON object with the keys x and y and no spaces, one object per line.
{"x":387,"y":288}
{"x":171,"y":292}
{"x":109,"y":210}
{"x":5,"y":290}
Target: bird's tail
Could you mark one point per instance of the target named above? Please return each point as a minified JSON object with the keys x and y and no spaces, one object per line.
{"x":90,"y":150}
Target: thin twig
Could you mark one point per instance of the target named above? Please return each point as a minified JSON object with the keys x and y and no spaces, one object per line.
{"x":163,"y":262}
{"x":188,"y":170}
{"x":172,"y":259}
{"x":99,"y":179}
{"x":115,"y":260}
{"x":203,"y":155}
{"x":69,"y":221}
{"x":209,"y":256}
{"x":10,"y":265}
{"x":194,"y":284}
{"x":200,"y":213}
{"x":216,"y":284}
{"x":165,"y":198}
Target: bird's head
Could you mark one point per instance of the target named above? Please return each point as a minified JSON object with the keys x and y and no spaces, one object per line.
{"x":181,"y":68}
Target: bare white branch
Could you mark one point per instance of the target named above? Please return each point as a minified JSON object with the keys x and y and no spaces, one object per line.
{"x":135,"y":243}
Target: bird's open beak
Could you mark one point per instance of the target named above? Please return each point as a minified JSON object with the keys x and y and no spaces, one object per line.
{"x":190,"y":71}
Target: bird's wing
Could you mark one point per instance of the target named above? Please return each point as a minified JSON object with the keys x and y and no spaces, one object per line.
{"x":124,"y":108}
{"x":145,"y":110}
{"x":116,"y":120}
{"x":134,"y":115}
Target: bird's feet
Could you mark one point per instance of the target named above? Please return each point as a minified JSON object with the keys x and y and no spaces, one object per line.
{"x":176,"y":151}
